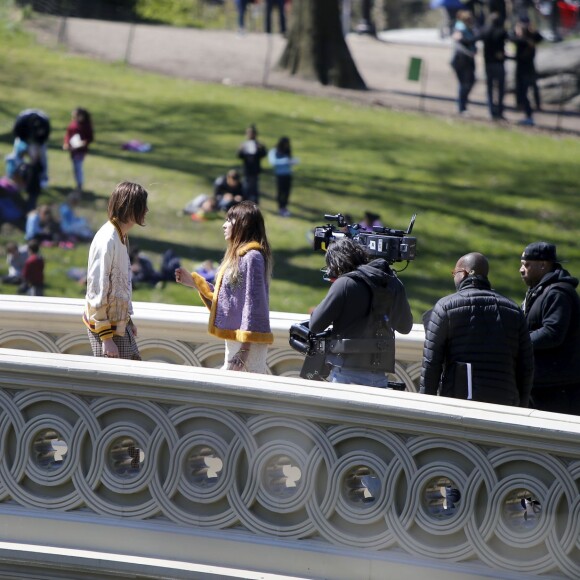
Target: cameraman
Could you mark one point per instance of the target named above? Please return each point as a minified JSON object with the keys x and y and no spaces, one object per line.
{"x":365,"y":305}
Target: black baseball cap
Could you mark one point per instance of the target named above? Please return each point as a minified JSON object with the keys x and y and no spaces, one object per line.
{"x":541,"y":252}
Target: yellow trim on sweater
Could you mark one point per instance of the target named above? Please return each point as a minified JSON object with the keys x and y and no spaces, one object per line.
{"x":242,"y":335}
{"x":209,"y":298}
{"x":203,"y":289}
{"x":249,"y":246}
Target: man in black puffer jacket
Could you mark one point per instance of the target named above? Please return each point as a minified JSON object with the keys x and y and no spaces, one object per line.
{"x":477,"y":345}
{"x":552,"y":309}
{"x":365,"y":305}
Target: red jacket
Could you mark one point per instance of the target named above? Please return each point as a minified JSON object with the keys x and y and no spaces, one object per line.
{"x":33,"y":271}
{"x":84,"y":130}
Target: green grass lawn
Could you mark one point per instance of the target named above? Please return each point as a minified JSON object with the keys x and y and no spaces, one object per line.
{"x":474,"y":187}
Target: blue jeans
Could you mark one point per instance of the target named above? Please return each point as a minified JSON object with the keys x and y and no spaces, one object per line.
{"x":359,"y":377}
{"x":78,"y":171}
{"x":241,"y":6}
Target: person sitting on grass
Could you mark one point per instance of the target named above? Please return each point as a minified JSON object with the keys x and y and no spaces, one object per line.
{"x":74,"y":227}
{"x":142,"y":270}
{"x":33,"y":271}
{"x":15,"y":259}
{"x":202,"y":208}
{"x":42,"y":226}
{"x":12,"y":204}
{"x":228,"y":190}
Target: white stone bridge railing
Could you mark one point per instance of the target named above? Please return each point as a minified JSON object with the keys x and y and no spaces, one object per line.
{"x":165,"y":470}
{"x":167,"y":333}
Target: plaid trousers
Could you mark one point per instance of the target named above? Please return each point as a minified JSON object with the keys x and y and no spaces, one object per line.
{"x":127,"y":344}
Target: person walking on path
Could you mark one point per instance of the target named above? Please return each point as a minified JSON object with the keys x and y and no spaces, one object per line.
{"x":525,"y":38}
{"x":251,"y":152}
{"x":477,"y":345}
{"x":552,"y":309}
{"x":494,"y":37}
{"x":79,"y":135}
{"x":463,"y":61}
{"x":239,"y":300}
{"x":279,"y":5}
{"x":108,"y":306}
{"x":241,"y":6}
{"x":280,"y":158}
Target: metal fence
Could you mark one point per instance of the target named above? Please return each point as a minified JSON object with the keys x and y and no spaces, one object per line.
{"x":222,"y":14}
{"x":214,"y":14}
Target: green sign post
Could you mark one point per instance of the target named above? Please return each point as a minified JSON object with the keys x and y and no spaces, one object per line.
{"x":415,"y":65}
{"x":418,"y":72}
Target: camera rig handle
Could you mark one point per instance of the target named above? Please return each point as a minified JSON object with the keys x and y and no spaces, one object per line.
{"x":338,"y":218}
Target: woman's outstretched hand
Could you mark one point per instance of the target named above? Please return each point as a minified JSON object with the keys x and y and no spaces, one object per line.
{"x":182,"y":276}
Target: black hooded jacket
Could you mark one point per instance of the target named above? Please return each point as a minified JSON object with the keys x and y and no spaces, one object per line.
{"x":351,"y":309}
{"x":479,"y":327}
{"x":552,"y":310}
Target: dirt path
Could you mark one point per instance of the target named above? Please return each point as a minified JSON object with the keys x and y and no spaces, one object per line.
{"x":226,"y":57}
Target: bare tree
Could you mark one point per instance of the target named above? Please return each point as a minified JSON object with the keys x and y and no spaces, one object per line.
{"x":316,"y":48}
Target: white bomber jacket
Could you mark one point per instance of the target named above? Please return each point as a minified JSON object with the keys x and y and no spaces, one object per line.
{"x":108,"y":299}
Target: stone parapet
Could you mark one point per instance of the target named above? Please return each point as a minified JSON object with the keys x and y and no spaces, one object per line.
{"x":167,"y":333}
{"x":276,"y":475}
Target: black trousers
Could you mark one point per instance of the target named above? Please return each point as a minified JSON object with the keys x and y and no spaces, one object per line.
{"x":557,"y":399}
{"x":283,"y":186}
{"x":279,"y":4}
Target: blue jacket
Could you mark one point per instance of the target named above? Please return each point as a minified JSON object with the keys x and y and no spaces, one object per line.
{"x":281,"y":163}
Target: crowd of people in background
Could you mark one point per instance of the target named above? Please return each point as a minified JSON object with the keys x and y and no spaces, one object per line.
{"x":474,"y":24}
{"x":241,"y":184}
{"x":479,"y":345}
{"x":58,"y":224}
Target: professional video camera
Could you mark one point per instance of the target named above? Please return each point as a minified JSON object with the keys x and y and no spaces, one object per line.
{"x":382,"y":242}
{"x":315,"y":348}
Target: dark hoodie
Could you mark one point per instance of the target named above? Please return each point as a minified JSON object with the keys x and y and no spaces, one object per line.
{"x":552,"y":310}
{"x":348,"y":307}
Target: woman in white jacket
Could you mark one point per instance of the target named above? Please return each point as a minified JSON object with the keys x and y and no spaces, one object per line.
{"x":108,"y":301}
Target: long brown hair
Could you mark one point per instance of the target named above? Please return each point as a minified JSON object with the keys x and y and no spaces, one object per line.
{"x":247,"y":226}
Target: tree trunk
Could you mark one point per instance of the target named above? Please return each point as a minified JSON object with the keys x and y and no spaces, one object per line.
{"x":316,"y":48}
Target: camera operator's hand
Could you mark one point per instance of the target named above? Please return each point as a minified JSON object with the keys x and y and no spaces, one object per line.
{"x":182,"y":276}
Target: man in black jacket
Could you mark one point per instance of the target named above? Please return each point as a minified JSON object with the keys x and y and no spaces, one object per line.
{"x":477,"y":345}
{"x":494,"y":37}
{"x":365,"y":305}
{"x":552,"y":309}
